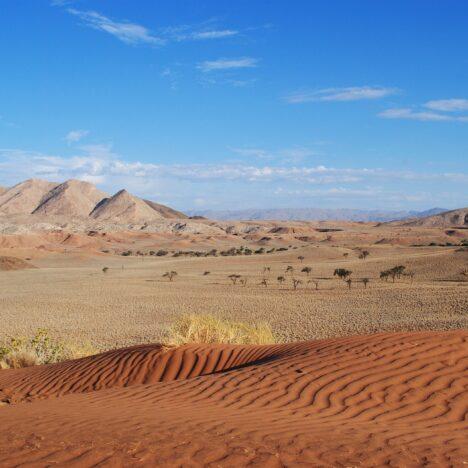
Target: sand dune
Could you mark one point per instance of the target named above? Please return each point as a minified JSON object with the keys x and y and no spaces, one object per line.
{"x":387,"y":399}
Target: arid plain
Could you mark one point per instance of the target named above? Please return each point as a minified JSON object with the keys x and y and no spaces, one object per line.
{"x":132,"y":303}
{"x":368,"y":365}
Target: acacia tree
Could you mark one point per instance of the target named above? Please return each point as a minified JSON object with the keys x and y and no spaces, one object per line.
{"x":301,"y":258}
{"x":290,"y":269}
{"x":243,"y":281}
{"x":170,"y":275}
{"x":264,"y":283}
{"x":105,"y":269}
{"x":234,"y":278}
{"x":384,"y":275}
{"x":364,"y":254}
{"x":349,"y":281}
{"x":266,"y":269}
{"x":281,"y":279}
{"x":365,"y":281}
{"x":314,"y":282}
{"x":306,"y":270}
{"x":342,"y":273}
{"x":296,"y":283}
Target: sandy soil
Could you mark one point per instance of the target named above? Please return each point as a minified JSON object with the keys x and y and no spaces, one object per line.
{"x":132,"y":304}
{"x":388,"y":399}
{"x":378,"y":399}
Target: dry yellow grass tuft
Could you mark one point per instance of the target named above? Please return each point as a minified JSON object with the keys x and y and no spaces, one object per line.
{"x":206,"y":328}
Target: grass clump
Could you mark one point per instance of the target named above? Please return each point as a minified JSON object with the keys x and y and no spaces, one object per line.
{"x":205,"y":328}
{"x":39,"y":349}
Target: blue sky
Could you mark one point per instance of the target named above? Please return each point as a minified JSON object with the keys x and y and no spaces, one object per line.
{"x":240,"y":104}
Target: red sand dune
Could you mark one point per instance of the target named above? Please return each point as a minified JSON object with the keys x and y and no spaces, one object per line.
{"x":387,"y":399}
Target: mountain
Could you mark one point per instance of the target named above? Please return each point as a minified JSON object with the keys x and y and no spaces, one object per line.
{"x":78,"y":200}
{"x":73,"y":198}
{"x":453,"y":218}
{"x":312,"y":214}
{"x":125,"y":208}
{"x":24,"y":197}
{"x":165,"y":211}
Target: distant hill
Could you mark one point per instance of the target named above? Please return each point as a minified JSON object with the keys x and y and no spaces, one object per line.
{"x":165,"y":211}
{"x":73,"y":198}
{"x":312,"y":214}
{"x":76,"y":199}
{"x":25,"y":197}
{"x":124,"y":208}
{"x":453,"y":218}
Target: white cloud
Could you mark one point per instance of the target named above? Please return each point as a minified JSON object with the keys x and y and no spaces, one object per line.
{"x":75,"y":135}
{"x":448,"y":105}
{"x":213,"y":34}
{"x":101,"y":163}
{"x":227,"y":64}
{"x":355,"y":93}
{"x":423,"y":116}
{"x":125,"y":31}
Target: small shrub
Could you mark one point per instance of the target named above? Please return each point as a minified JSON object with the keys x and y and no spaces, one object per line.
{"x":39,"y":349}
{"x":170,"y":275}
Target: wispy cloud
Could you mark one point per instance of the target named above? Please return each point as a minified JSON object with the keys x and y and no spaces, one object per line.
{"x":75,"y":135}
{"x":420,"y":115}
{"x":125,"y":31}
{"x":448,"y":105}
{"x":196,"y":33}
{"x":356,"y":93}
{"x":133,"y":33}
{"x":293,"y":155}
{"x":227,"y":64}
{"x":100,"y":160}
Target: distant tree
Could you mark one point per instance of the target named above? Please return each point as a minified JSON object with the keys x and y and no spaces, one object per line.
{"x":170,"y":275}
{"x":396,"y":272}
{"x":345,"y":254}
{"x":296,"y":283}
{"x":342,"y":273}
{"x":349,"y":281}
{"x":264,"y":283}
{"x":306,"y":270}
{"x":243,"y":281}
{"x":281,"y":279}
{"x":105,"y":269}
{"x":364,"y":254}
{"x":384,"y":275}
{"x":266,"y":269}
{"x":234,"y":278}
{"x":206,"y":273}
{"x":301,"y":258}
{"x":314,"y":282}
{"x":290,"y":269}
{"x":365,"y":281}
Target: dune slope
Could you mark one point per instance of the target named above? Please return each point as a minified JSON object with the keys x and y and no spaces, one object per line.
{"x":397,"y":399}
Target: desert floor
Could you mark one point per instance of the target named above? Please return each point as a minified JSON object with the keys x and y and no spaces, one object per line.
{"x":132,"y":303}
{"x":380,"y":380}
